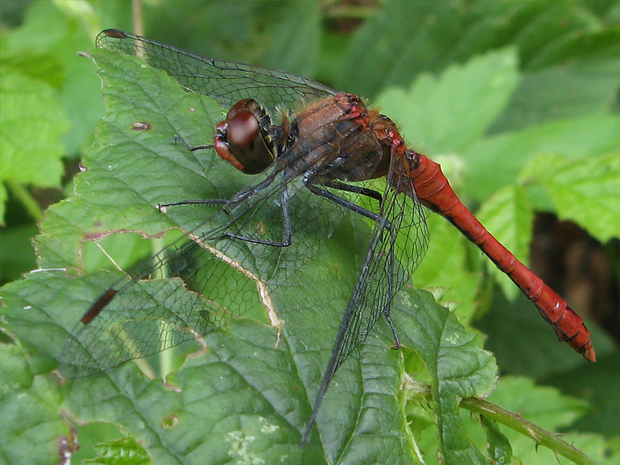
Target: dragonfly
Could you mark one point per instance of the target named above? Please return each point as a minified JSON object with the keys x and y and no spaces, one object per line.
{"x":312,"y":153}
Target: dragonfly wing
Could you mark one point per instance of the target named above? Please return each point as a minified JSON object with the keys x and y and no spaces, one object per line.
{"x":397,"y":245}
{"x":225,"y":81}
{"x":153,"y":308}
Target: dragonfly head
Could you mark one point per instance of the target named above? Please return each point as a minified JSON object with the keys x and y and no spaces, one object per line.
{"x":244,"y":139}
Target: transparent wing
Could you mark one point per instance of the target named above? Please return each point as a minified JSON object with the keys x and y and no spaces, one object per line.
{"x":397,"y":245}
{"x":225,"y":81}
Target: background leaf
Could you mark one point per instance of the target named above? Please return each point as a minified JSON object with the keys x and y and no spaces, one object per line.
{"x":29,"y":108}
{"x":586,"y":191}
{"x":509,"y":153}
{"x":433,"y":110}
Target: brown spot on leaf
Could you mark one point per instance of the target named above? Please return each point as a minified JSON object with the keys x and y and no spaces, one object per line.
{"x":141,"y":126}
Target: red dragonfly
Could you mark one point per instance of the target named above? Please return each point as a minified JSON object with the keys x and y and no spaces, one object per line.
{"x":312,"y":168}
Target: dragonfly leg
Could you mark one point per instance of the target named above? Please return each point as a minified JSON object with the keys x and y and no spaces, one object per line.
{"x":373,"y":216}
{"x":238,"y":197}
{"x":396,"y":345}
{"x":345,"y":203}
{"x":335,"y":184}
{"x":163,"y":206}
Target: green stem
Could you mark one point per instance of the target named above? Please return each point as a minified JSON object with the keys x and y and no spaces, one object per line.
{"x":26,"y":199}
{"x":164,"y":356}
{"x":527,"y":428}
{"x":511,"y":420}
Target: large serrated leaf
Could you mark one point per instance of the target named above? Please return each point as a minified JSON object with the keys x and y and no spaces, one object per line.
{"x":458,"y":366}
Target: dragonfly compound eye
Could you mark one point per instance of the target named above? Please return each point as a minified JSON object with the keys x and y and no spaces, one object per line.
{"x":243,"y":129}
{"x":244,"y":139}
{"x":241,"y":104}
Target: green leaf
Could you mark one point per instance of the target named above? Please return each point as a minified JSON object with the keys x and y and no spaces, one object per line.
{"x":498,"y":445}
{"x":39,"y":67}
{"x":29,"y":408}
{"x":32,"y":122}
{"x":509,"y":217}
{"x":497,"y":161}
{"x":124,"y":451}
{"x":589,"y":39}
{"x":565,"y":91}
{"x":285,"y":52}
{"x":242,"y":388}
{"x":432,"y":111}
{"x":457,"y":364}
{"x":278,"y":35}
{"x":52,"y":32}
{"x":378,"y":47}
{"x":586,"y":191}
{"x":125,"y":201}
{"x":405,"y":38}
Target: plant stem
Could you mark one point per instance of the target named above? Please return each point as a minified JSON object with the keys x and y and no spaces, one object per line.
{"x":527,"y":428}
{"x":26,"y":199}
